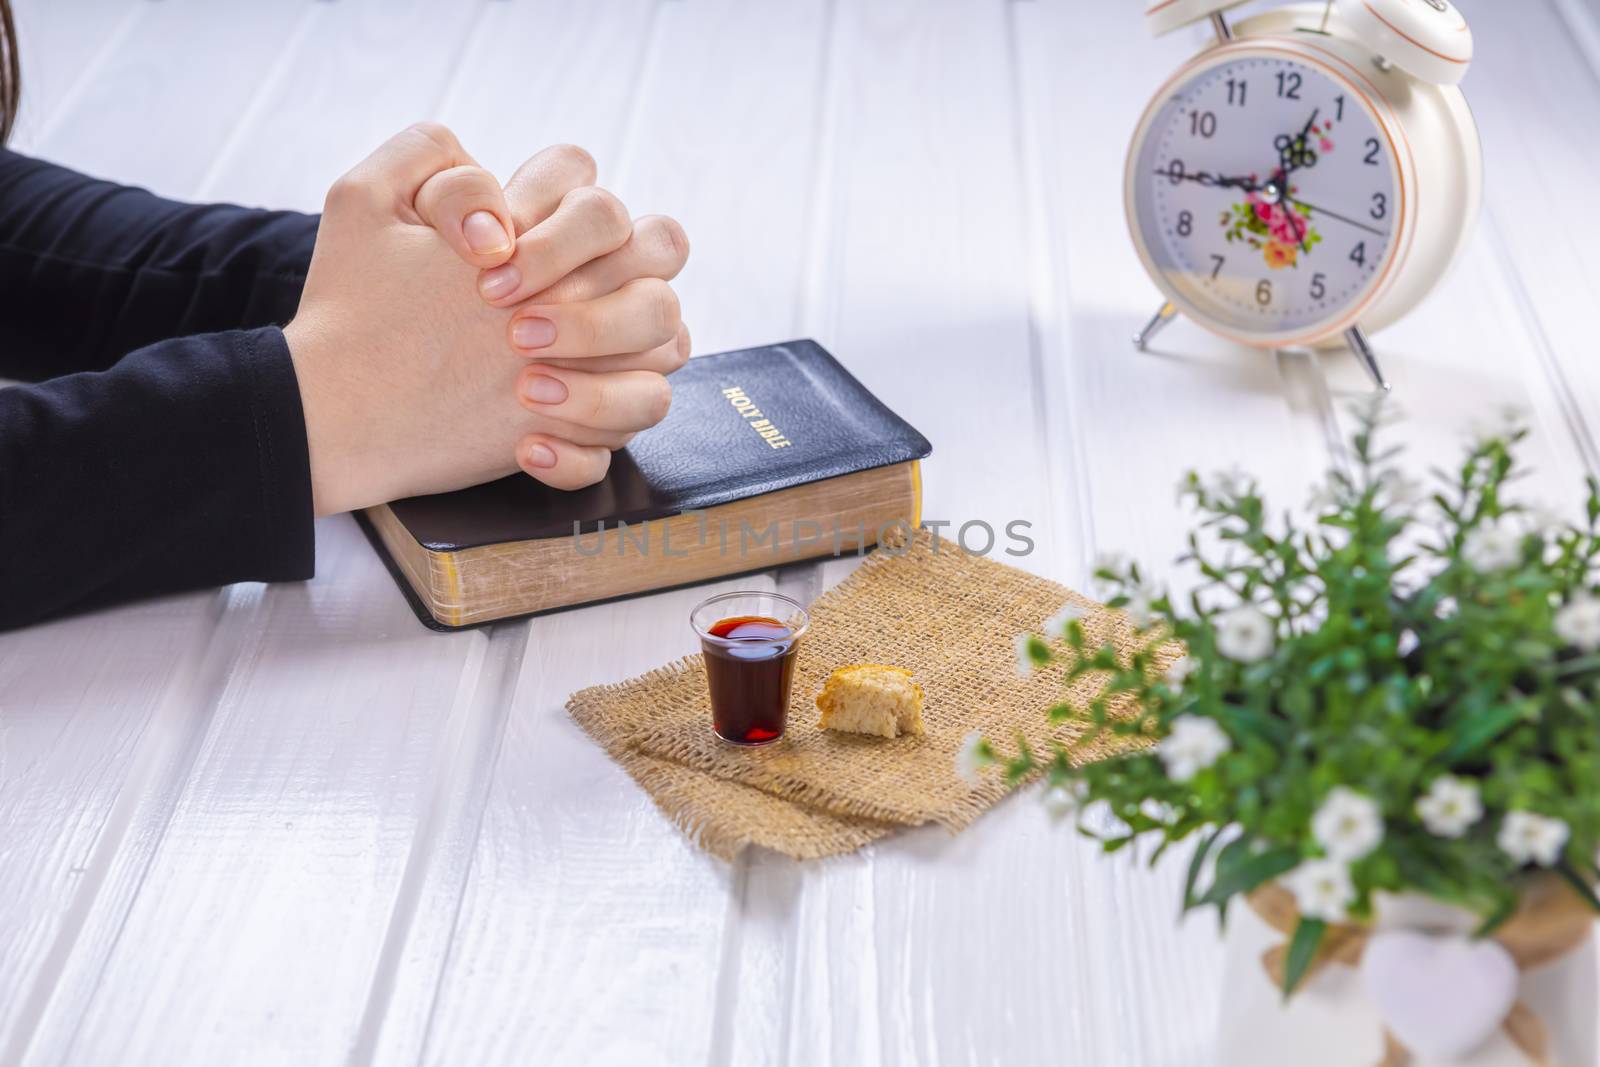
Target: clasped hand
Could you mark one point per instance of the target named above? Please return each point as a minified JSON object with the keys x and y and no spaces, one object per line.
{"x":451,"y":331}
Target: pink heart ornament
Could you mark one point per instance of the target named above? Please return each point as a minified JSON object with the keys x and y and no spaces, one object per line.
{"x":1441,"y":996}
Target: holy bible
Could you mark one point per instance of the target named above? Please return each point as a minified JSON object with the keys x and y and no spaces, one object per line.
{"x":769,"y":455}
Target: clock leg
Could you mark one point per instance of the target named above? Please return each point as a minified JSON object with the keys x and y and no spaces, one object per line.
{"x":1157,"y":323}
{"x":1362,"y":347}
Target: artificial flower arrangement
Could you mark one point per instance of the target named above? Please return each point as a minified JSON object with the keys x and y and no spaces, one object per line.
{"x":1401,"y":695}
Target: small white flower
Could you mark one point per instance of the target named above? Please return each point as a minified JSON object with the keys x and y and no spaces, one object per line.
{"x":973,"y":757}
{"x":1326,"y":495}
{"x":1348,"y":825}
{"x":1450,"y":806}
{"x":1180,"y":671}
{"x":1114,"y":562}
{"x":1141,"y":604}
{"x":1385,"y":411}
{"x":1245,"y":634}
{"x":1494,"y":546}
{"x":1399,"y":490}
{"x":1322,"y":890}
{"x":1056,"y":625}
{"x":1545,"y":520}
{"x":1193,"y":744}
{"x":1021,"y":643}
{"x":1119,"y":566}
{"x":1501,"y":424}
{"x":1578,"y":622}
{"x":1531,"y":838}
{"x":1159,"y":810}
{"x":1063,"y":801}
{"x":1186,"y":485}
{"x":1230,"y":484}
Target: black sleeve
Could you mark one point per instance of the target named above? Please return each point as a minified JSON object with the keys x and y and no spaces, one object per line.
{"x":157,"y":467}
{"x":90,"y":270}
{"x":183,"y":466}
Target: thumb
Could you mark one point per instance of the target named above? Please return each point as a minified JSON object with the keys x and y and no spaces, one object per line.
{"x":425,"y":171}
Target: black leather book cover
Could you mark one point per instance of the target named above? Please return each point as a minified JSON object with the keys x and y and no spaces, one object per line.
{"x":742,"y":423}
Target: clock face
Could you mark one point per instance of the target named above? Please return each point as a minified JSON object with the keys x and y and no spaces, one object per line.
{"x":1267,"y":195}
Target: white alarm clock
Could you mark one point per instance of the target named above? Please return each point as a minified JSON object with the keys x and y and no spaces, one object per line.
{"x":1310,"y":176}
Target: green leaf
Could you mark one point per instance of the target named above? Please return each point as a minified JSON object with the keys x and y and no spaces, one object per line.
{"x":1195,"y":864}
{"x":1060,"y":713}
{"x":1038,"y":652}
{"x":1581,"y":665}
{"x":1240,"y":870}
{"x":1579,"y":884}
{"x":1253,"y":723}
{"x":1478,"y":731}
{"x":1302,"y":950}
{"x":1497,"y":918}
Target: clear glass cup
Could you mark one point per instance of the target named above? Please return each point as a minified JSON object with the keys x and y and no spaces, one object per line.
{"x":750,"y":641}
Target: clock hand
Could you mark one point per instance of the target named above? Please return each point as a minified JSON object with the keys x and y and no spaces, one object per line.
{"x":1333,"y":215}
{"x":1292,"y":154}
{"x":1207,"y":178}
{"x":1305,"y":137}
{"x":1297,"y":225}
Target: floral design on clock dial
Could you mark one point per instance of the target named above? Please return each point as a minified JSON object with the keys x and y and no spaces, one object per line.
{"x":1267,"y":193}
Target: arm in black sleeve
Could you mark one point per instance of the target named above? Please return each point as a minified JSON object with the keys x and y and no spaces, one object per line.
{"x":167,"y":462}
{"x":182,"y":466}
{"x":90,"y":270}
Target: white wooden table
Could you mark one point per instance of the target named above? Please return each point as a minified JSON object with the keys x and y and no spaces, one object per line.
{"x":287,"y":825}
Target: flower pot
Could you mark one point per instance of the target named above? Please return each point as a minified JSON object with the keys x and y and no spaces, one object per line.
{"x":1415,"y":971}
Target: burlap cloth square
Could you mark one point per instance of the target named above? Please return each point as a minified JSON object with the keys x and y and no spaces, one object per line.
{"x":949,"y":617}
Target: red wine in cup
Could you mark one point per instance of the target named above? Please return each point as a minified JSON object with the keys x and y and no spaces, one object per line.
{"x":749,"y":672}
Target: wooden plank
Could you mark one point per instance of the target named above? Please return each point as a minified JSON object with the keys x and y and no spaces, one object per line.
{"x":584,"y":901}
{"x":87,"y":705}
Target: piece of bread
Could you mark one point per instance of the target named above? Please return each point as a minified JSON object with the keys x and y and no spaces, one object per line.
{"x":870,"y":698}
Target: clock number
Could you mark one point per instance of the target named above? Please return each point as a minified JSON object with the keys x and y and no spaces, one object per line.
{"x":1264,"y":292}
{"x":1359,"y":256}
{"x":1319,"y":286}
{"x":1219,"y":261}
{"x":1289,"y":84}
{"x":1203,"y":124}
{"x":1372,"y":151}
{"x":1339,"y":100}
{"x":1237,"y":91}
{"x":1380,"y":205}
{"x":1185,"y":223}
{"x":1175,"y":171}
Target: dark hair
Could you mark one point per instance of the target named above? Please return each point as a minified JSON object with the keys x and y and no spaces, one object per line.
{"x":10,"y":72}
